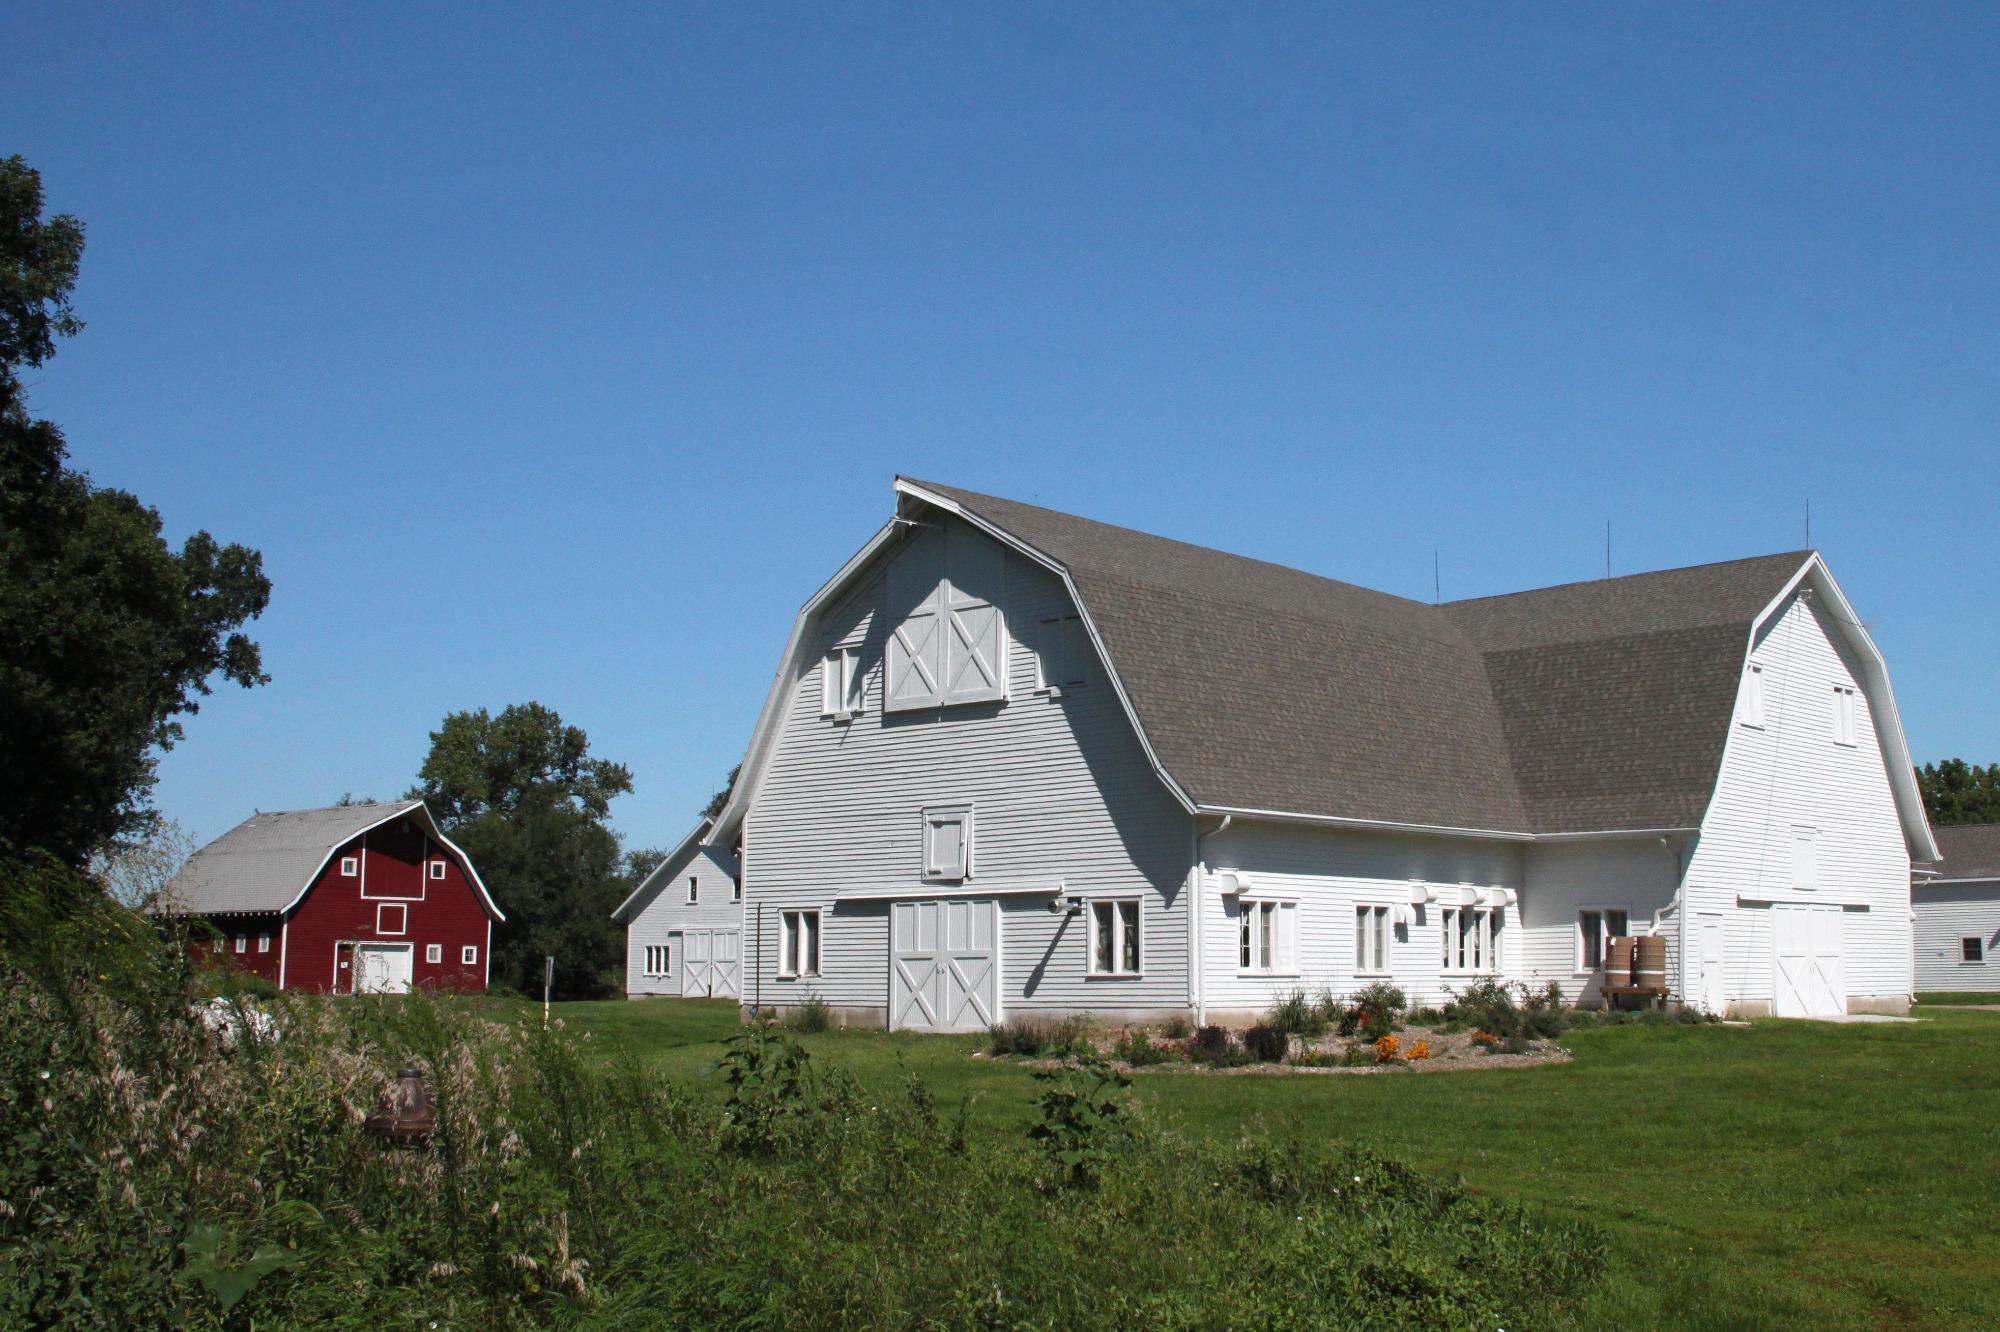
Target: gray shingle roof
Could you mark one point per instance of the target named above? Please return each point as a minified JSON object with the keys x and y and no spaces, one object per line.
{"x":265,"y":862}
{"x":1594,"y":706}
{"x":1971,"y":851}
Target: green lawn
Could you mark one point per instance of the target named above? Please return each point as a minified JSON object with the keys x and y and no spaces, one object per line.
{"x":1960,"y":997}
{"x":1783,"y":1174}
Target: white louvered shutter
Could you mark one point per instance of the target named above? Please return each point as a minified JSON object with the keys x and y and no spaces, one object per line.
{"x":1288,"y":937}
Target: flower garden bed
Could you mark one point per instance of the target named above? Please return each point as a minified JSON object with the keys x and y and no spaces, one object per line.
{"x":1415,"y":1049}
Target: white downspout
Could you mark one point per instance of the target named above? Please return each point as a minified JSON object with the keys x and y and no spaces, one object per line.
{"x":1197,"y":975}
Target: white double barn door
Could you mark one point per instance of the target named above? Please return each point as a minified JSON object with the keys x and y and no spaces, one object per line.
{"x":711,"y":964}
{"x":944,"y":965}
{"x":1807,"y":979}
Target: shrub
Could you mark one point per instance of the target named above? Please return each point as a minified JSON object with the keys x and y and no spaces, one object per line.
{"x":1214,"y":1046}
{"x":1318,"y":1059}
{"x":1035,"y":1037}
{"x":1486,"y":1005}
{"x":1372,"y":1011}
{"x":1177,"y":1028}
{"x":1425,"y":1017}
{"x":1359,"y":1056}
{"x":810,"y":1017}
{"x":1296,"y":1015}
{"x":1267,"y":1044}
{"x":1136,"y":1049}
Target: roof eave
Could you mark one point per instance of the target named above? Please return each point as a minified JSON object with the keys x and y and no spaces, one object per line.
{"x":671,"y":865}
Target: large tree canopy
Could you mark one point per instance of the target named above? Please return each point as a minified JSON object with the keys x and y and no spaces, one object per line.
{"x":521,"y":794}
{"x":107,"y":634}
{"x":1959,"y":792}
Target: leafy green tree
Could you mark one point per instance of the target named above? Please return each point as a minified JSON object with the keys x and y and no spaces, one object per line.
{"x":521,"y":794}
{"x":1959,"y":792}
{"x":721,"y":798}
{"x":107,"y":634}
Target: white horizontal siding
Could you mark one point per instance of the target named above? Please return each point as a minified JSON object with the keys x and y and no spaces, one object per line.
{"x":1791,"y":773}
{"x":1060,"y":789}
{"x":1639,"y":875}
{"x":1947,"y":913}
{"x":669,"y":912}
{"x":1330,"y":872}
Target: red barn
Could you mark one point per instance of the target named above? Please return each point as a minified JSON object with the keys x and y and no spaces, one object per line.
{"x":357,"y":897}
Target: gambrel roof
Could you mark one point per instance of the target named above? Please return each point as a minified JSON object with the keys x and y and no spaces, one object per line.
{"x":1971,"y":851}
{"x":266,"y":863}
{"x":1261,"y":690}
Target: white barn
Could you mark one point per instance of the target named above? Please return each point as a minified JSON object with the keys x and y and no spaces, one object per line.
{"x":1016,"y":762}
{"x":684,"y":925}
{"x":1957,"y":908}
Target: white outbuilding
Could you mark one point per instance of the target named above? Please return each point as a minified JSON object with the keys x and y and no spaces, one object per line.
{"x":1957,"y":910}
{"x":684,"y":925}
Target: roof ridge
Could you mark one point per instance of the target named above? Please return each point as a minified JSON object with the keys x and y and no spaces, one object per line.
{"x":1123,"y":530}
{"x":1800,"y":555}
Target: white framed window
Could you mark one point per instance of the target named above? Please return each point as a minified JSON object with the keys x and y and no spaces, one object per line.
{"x":1595,"y":928}
{"x":242,"y":943}
{"x":469,"y":955}
{"x":1062,"y":654}
{"x":1114,"y":937}
{"x":392,"y":918}
{"x":1472,"y":938}
{"x":1267,"y":937}
{"x":1805,"y":857}
{"x":798,"y":944}
{"x":1371,"y":940}
{"x":659,"y":961}
{"x":694,"y":889}
{"x":437,"y":869}
{"x":841,"y":683}
{"x":350,"y":866}
{"x":264,"y":943}
{"x":947,"y":843}
{"x":1972,"y":949}
{"x":1752,"y":713}
{"x":1843,"y":716}
{"x":433,"y":953}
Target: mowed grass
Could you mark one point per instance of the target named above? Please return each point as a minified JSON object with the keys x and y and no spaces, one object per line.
{"x":1960,"y":997}
{"x":1781,"y":1174}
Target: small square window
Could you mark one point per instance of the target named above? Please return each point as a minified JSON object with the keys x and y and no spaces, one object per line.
{"x":1267,"y":937}
{"x":1595,"y":928}
{"x":264,"y":943}
{"x":1805,"y":857}
{"x":1114,"y":938}
{"x":392,"y":918}
{"x":1843,"y":716}
{"x":841,"y":683}
{"x":1472,"y":938}
{"x":469,"y":955}
{"x":948,"y":843}
{"x":798,"y":944}
{"x":1971,"y":950}
{"x":1062,"y":654}
{"x":659,"y":960}
{"x":350,"y":866}
{"x":433,"y":953}
{"x":1371,"y":940}
{"x":437,"y":869}
{"x":1752,"y":711}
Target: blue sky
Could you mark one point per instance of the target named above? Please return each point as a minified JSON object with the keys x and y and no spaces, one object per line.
{"x":561,"y":356}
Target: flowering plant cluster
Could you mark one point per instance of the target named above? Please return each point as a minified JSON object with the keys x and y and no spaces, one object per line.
{"x":1387,"y":1050}
{"x":1419,"y":1050}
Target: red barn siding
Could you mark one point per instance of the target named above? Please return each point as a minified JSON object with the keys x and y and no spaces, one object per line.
{"x":392,"y":872}
{"x":251,"y":929}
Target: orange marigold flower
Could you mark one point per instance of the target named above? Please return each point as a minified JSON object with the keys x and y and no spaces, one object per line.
{"x":1386,"y":1049}
{"x":1421,"y":1050}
